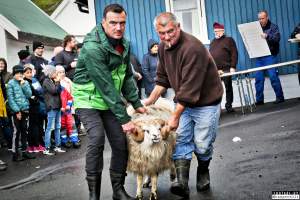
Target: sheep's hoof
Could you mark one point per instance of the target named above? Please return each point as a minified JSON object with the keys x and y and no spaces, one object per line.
{"x":139,"y":197}
{"x":153,"y":196}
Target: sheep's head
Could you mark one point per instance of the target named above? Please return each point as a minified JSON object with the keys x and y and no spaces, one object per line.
{"x":151,"y":132}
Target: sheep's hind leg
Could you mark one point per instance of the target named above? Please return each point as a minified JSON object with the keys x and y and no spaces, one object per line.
{"x":153,"y":195}
{"x":139,"y":191}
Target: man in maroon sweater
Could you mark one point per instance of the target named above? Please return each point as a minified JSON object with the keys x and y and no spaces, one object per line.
{"x":223,"y":50}
{"x":186,"y":66}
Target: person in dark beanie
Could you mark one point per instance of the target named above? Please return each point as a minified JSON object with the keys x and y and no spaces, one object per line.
{"x":37,"y":60}
{"x":223,"y":50}
{"x":23,"y":55}
{"x":18,"y":93}
{"x":67,"y":58}
{"x":149,"y":66}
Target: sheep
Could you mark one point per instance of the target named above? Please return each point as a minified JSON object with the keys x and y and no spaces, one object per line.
{"x":151,"y":147}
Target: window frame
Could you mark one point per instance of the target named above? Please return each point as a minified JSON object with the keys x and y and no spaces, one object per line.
{"x":202,"y":18}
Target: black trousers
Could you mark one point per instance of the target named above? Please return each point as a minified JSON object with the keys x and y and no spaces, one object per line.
{"x":35,"y":129}
{"x":229,"y":91}
{"x":98,"y":123}
{"x":20,"y":129}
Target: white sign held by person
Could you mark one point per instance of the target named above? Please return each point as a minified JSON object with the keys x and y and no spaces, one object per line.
{"x":255,"y":44}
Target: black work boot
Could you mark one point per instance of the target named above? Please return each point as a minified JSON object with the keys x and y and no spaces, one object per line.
{"x":181,"y":186}
{"x":94,"y":183}
{"x":117,"y":182}
{"x":203,"y":179}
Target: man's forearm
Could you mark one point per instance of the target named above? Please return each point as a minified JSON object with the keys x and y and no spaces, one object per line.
{"x":178,"y":110}
{"x":156,"y":93}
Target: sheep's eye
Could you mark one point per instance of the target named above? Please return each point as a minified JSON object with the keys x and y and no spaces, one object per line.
{"x":159,"y":128}
{"x":146,"y":131}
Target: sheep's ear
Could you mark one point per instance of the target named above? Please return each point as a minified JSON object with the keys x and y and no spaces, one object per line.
{"x":138,"y":135}
{"x":165,"y":132}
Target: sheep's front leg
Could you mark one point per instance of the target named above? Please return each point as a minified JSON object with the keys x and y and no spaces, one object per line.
{"x":153,"y":195}
{"x":139,"y":192}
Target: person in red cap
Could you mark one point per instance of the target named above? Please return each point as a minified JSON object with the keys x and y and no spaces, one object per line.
{"x":223,"y":50}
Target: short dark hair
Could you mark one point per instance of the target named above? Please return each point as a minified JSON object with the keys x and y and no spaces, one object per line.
{"x":116,"y":8}
{"x":67,"y":39}
{"x":264,"y":11}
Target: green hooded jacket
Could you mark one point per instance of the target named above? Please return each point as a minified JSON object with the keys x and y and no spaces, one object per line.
{"x":102,"y":74}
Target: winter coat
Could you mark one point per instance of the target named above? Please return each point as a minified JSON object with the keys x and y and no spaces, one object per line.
{"x":18,"y":95}
{"x":36,"y":101}
{"x":273,"y":37}
{"x":66,"y":100}
{"x":3,"y":112}
{"x":149,"y":67}
{"x":52,"y":94}
{"x":102,"y":74}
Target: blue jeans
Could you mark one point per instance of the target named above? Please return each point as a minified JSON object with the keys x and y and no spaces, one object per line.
{"x":53,"y":117}
{"x":196,"y":133}
{"x":260,"y":78}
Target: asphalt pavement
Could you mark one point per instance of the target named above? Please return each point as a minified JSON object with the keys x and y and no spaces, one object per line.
{"x":264,"y":158}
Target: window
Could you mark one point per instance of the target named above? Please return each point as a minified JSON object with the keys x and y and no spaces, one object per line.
{"x":192,"y":17}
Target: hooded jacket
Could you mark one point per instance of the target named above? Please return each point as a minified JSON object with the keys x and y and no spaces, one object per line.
{"x":149,"y":67}
{"x":102,"y":74}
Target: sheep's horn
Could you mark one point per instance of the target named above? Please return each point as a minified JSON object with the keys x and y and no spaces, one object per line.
{"x":165,"y":132}
{"x":138,"y":134}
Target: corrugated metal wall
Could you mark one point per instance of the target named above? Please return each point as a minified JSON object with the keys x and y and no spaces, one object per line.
{"x":284,"y":13}
{"x":139,"y":28}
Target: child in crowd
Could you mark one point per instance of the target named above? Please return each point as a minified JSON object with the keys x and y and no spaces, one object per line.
{"x":35,"y":129}
{"x":70,"y":135}
{"x":18,"y":93}
{"x":52,"y":91}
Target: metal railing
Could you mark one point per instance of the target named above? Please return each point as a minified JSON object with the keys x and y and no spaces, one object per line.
{"x":247,"y":98}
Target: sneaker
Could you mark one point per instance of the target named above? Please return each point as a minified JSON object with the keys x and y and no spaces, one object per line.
{"x":47,"y":152}
{"x":41,"y":148}
{"x":30,"y":149}
{"x":59,"y":150}
{"x":36,"y":149}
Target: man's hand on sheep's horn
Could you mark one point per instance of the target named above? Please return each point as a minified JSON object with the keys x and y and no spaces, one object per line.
{"x":129,"y":127}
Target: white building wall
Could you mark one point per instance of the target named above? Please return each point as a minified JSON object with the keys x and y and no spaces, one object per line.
{"x":13,"y":47}
{"x":72,"y":20}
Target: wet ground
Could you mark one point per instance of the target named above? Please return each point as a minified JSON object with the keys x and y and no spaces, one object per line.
{"x":266,"y":159}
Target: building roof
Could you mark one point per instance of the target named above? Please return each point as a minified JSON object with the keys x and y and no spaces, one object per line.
{"x":28,"y":18}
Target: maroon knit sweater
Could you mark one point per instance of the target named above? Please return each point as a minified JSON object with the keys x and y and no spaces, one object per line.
{"x":189,"y":69}
{"x":224,"y":52}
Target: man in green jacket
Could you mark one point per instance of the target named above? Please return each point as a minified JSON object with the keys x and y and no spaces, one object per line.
{"x":103,"y":75}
